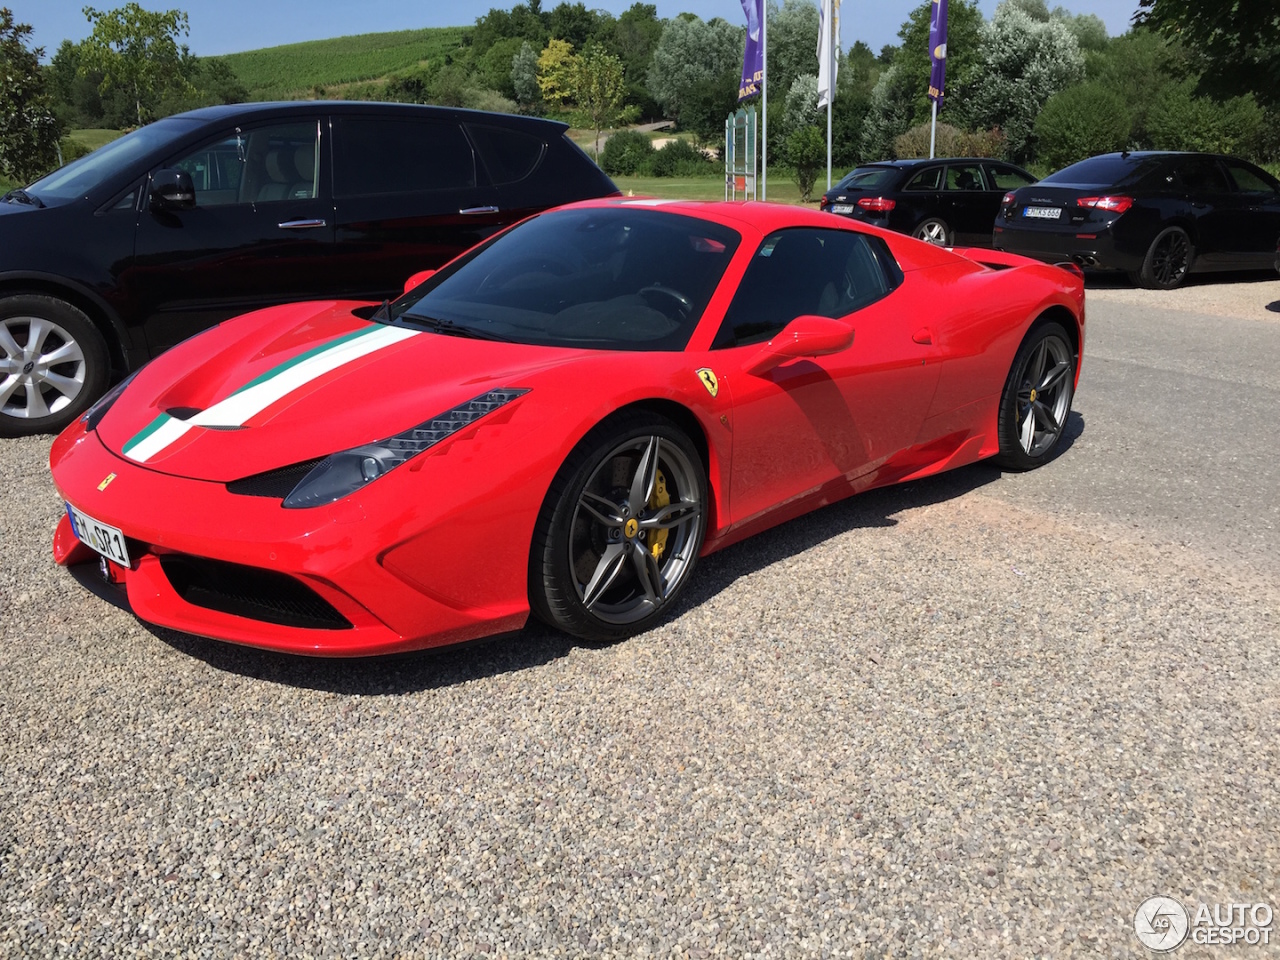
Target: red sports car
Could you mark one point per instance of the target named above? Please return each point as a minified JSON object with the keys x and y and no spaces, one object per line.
{"x":560,"y":421}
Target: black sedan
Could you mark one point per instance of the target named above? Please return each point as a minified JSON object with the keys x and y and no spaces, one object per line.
{"x":945,"y":201}
{"x":1156,"y":216}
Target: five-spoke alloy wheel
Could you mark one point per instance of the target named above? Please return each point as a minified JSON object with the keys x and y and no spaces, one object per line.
{"x":1037,"y":398}
{"x":619,"y":534}
{"x":933,"y":231}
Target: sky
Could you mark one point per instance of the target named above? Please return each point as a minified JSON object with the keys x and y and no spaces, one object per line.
{"x":229,"y":26}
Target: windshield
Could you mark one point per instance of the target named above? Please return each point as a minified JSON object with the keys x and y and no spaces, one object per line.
{"x":611,"y":278}
{"x":79,"y":177}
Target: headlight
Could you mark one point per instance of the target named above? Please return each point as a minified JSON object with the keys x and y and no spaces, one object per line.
{"x":93,"y":416}
{"x":342,"y":473}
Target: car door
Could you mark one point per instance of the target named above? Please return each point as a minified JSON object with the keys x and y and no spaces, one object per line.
{"x":969,"y":204}
{"x":1212,"y":206}
{"x":1258,"y":197}
{"x":409,"y":196}
{"x":819,"y":423}
{"x":260,"y":233}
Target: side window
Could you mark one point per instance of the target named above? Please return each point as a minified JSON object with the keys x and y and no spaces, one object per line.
{"x":509,"y":155}
{"x":1248,"y":181}
{"x":925,"y":180}
{"x":378,"y":156}
{"x":1006,"y":178}
{"x":1202,"y":175}
{"x":831,"y":273}
{"x":966,"y":176}
{"x":279,"y":162}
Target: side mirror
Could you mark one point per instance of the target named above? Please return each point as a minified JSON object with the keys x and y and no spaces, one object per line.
{"x":172,"y":190}
{"x":422,"y":276}
{"x":805,"y":336}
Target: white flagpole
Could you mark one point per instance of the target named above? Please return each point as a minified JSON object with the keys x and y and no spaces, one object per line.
{"x":933,"y":129}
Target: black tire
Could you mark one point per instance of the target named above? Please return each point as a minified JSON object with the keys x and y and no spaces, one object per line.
{"x":1036,"y":400}
{"x":53,"y":364}
{"x":597,"y":569}
{"x":934,"y":231}
{"x":1168,"y":260}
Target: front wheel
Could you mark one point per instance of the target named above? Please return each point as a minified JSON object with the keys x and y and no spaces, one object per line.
{"x":1036,"y":398}
{"x":53,"y":364}
{"x":619,"y":534}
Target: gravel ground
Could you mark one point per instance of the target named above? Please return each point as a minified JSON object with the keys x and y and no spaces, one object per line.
{"x":923,"y":723}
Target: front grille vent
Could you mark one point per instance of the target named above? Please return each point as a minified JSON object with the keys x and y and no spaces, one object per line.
{"x":250,"y":592}
{"x":276,"y":484}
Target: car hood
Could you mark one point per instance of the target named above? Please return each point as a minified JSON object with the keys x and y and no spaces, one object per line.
{"x":295,"y":383}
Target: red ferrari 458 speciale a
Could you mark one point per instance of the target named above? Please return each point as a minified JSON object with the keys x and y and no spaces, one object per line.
{"x":560,"y":421}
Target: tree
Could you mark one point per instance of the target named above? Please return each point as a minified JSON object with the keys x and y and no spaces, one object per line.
{"x":793,"y":42}
{"x":136,"y":50}
{"x":524,"y":77}
{"x":1181,"y":120}
{"x":555,"y":71}
{"x":1024,"y":63}
{"x":573,"y":22}
{"x":29,"y":130}
{"x":598,"y":89}
{"x":1237,"y":43}
{"x":806,"y":151}
{"x":888,"y":114}
{"x":690,"y":51}
{"x":1079,"y":122}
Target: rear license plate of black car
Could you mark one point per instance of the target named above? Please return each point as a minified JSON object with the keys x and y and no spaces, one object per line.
{"x":1042,"y":213}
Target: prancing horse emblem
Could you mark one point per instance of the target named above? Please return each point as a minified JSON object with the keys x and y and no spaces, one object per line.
{"x":106,"y":481}
{"x":709,"y":381}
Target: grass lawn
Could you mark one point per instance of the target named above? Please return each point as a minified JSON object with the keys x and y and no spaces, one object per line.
{"x":93,"y":139}
{"x":781,"y":188}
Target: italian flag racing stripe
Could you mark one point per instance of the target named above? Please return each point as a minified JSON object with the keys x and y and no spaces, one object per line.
{"x":255,"y":396}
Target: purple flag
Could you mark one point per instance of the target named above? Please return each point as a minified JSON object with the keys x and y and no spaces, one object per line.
{"x":938,"y":50}
{"x":753,"y":55}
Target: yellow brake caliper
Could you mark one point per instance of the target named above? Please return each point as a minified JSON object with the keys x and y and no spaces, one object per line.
{"x":659,"y":499}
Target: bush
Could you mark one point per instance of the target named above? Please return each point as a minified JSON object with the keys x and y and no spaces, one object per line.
{"x":1180,"y":120}
{"x":626,"y":153}
{"x":1081,"y":122}
{"x":679,"y":158}
{"x":807,"y":153}
{"x":950,"y":142}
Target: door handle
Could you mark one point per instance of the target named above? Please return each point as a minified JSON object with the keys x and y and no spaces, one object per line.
{"x":472,"y":211}
{"x":301,"y":224}
{"x":923,"y":335}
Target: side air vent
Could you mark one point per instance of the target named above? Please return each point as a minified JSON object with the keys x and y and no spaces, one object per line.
{"x":276,"y":484}
{"x":250,"y":592}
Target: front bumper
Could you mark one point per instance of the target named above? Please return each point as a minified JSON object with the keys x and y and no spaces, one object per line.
{"x":359,"y":558}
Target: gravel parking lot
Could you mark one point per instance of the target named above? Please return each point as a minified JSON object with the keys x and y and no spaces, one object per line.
{"x":980,"y":716}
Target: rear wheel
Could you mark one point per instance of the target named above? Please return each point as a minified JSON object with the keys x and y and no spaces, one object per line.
{"x":53,"y":364}
{"x":1168,"y":260}
{"x":619,"y":534}
{"x":1037,"y":398}
{"x":933,"y":231}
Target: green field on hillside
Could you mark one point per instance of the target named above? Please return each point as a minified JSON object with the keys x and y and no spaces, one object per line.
{"x":296,"y":69}
{"x":781,"y":188}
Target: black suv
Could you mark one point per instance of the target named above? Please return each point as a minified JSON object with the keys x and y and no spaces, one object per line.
{"x":945,"y":201}
{"x":204,"y":215}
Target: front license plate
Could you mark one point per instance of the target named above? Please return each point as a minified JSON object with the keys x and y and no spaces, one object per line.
{"x":842,"y":208}
{"x":106,"y":539}
{"x":1042,"y":213}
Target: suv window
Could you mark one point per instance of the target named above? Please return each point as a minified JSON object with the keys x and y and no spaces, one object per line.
{"x":796,"y":272}
{"x":1007,"y":178}
{"x":385,"y":155}
{"x":509,"y":155}
{"x":966,"y":176}
{"x":925,"y":180}
{"x":278,"y":162}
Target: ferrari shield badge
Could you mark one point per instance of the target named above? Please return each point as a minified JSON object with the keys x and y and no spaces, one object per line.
{"x":708,"y":378}
{"x":106,"y":482}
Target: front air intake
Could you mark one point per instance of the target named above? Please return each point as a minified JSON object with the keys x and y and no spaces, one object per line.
{"x":250,"y":592}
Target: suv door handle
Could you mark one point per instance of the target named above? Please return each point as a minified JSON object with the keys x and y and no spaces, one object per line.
{"x":472,"y":211}
{"x":301,"y":224}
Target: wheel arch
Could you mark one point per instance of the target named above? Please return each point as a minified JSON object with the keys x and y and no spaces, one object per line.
{"x":100,"y":314}
{"x":1066,"y":319}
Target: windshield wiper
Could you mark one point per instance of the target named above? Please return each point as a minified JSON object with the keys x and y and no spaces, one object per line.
{"x":449,"y":328}
{"x":21,"y":196}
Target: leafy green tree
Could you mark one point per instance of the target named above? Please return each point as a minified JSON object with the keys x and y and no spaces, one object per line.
{"x":706,"y":105}
{"x":889,"y":113}
{"x":1024,"y":63}
{"x":633,"y":38}
{"x":964,"y":57}
{"x":806,"y":153}
{"x":800,"y":108}
{"x":524,"y":21}
{"x":690,"y":51}
{"x":493,"y":67}
{"x":793,"y":43}
{"x":136,"y":50}
{"x":575,"y":23}
{"x":1137,"y":67}
{"x":524,"y":77}
{"x":1079,"y":122}
{"x":556,"y":67}
{"x":29,"y":131}
{"x":597,"y":88}
{"x":1181,"y":120}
